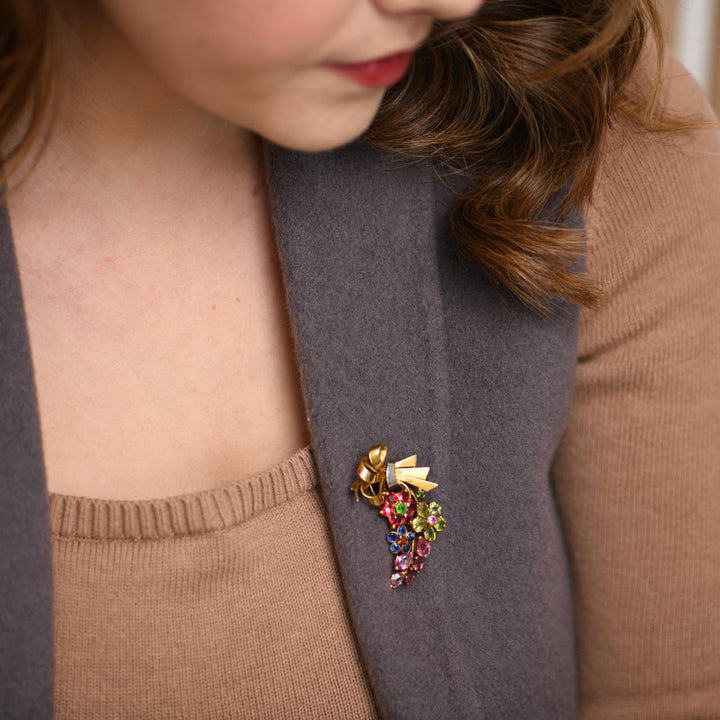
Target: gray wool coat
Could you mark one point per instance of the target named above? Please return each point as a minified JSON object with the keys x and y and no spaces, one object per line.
{"x":398,"y":342}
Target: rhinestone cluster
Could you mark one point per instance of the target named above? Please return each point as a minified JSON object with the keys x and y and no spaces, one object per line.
{"x":414,"y":525}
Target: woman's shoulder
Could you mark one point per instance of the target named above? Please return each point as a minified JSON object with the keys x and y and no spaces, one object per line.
{"x":656,"y":191}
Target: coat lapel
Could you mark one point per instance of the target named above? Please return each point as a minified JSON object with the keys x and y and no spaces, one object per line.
{"x":399,"y":343}
{"x":26,"y":619}
{"x":358,"y":246}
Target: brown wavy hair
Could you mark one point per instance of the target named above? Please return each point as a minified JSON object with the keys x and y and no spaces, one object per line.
{"x":517,"y":99}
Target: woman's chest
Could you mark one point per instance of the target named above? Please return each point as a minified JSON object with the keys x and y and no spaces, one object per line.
{"x":160,"y":376}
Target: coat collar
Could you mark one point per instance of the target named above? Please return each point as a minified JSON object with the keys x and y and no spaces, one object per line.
{"x":26,"y":609}
{"x":358,"y":244}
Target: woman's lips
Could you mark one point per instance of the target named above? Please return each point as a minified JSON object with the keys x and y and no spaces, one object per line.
{"x":376,"y":73}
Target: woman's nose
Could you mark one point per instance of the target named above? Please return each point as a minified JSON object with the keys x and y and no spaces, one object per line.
{"x":439,"y":9}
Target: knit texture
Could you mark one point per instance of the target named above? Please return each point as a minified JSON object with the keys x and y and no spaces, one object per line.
{"x":223,"y":603}
{"x":638,"y":472}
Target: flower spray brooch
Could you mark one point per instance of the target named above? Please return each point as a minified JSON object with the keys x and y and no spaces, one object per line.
{"x":399,"y":489}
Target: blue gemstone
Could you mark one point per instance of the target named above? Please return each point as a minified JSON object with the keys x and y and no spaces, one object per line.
{"x":394,"y":548}
{"x":402,"y":530}
{"x":406,"y":548}
{"x":410,"y":536}
{"x":392,"y":537}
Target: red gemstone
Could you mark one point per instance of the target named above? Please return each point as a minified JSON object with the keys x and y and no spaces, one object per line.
{"x":389,"y":508}
{"x":417,"y":566}
{"x":409,"y":577}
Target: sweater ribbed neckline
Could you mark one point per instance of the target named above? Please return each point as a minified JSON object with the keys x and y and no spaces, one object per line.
{"x":75,"y":517}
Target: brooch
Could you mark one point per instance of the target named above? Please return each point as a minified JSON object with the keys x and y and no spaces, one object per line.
{"x":414,"y":523}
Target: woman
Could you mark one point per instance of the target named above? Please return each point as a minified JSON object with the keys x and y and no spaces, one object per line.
{"x":220,"y":291}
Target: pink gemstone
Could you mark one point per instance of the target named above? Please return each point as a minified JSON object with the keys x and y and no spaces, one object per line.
{"x":417,"y":566}
{"x":432,"y":519}
{"x":402,"y":561}
{"x":396,"y":580}
{"x":423,"y":547}
{"x":409,"y":577}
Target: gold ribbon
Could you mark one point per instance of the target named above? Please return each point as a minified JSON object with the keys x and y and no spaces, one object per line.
{"x":373,"y":470}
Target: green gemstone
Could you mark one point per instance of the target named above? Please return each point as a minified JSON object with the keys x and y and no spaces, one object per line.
{"x":430,"y":533}
{"x":435,"y":509}
{"x":418,"y":524}
{"x":423,"y":510}
{"x":420,"y":494}
{"x":400,"y":508}
{"x":440,"y":524}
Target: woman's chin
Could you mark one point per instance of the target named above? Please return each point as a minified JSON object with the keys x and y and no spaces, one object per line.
{"x":318,"y":135}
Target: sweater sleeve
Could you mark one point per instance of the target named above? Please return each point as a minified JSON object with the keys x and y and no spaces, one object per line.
{"x":637,"y":474}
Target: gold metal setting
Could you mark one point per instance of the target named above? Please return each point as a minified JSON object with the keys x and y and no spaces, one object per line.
{"x":373,"y":470}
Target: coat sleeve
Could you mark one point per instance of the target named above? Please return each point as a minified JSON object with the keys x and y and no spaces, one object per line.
{"x":637,"y":473}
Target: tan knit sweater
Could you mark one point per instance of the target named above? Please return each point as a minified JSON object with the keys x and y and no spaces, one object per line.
{"x":225,"y":603}
{"x":638,"y":472}
{"x":228,"y":603}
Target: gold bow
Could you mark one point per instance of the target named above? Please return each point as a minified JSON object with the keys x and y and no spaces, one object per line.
{"x":373,"y":470}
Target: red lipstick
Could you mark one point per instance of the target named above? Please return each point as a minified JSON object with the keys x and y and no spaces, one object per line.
{"x":376,"y":73}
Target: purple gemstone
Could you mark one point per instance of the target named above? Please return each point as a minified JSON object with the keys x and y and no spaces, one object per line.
{"x":417,"y":566}
{"x":396,"y":580}
{"x":423,"y":547}
{"x":402,"y":561}
{"x":432,"y":519}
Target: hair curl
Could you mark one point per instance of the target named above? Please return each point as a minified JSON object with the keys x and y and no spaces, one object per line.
{"x":25,"y":76}
{"x":517,"y":99}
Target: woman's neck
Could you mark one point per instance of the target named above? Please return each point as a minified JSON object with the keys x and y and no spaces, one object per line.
{"x":123,"y":137}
